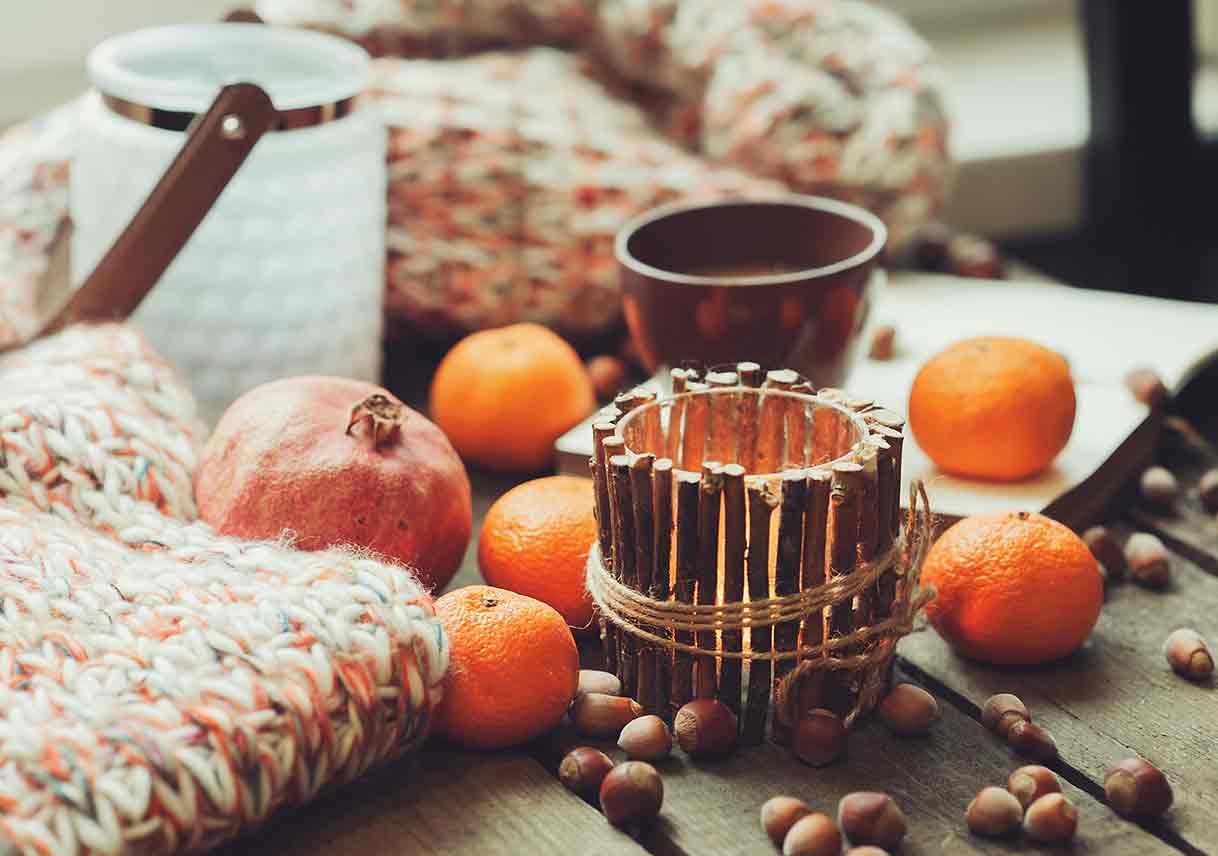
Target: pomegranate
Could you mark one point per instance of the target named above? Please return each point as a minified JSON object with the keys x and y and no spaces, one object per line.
{"x":337,"y":461}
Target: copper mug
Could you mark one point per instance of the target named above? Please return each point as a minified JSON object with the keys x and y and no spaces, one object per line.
{"x":785,"y":282}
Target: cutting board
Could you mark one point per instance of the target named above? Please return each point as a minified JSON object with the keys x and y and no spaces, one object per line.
{"x":1102,"y":335}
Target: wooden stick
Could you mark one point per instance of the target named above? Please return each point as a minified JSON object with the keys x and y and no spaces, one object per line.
{"x":662,"y":570}
{"x":869,"y":530}
{"x":816,"y":538}
{"x":750,"y":376}
{"x":600,"y":481}
{"x":733,"y":580}
{"x":771,"y":429}
{"x":723,"y":427}
{"x":705,"y":681}
{"x":627,"y":401}
{"x":688,"y":485}
{"x":786,"y":577}
{"x":887,"y":418}
{"x":649,"y":436}
{"x":797,"y":418}
{"x":858,"y":404}
{"x":845,"y":501}
{"x":611,"y":447}
{"x":889,"y":507}
{"x":825,"y":422}
{"x":693,"y":435}
{"x":644,"y":558}
{"x":836,"y":429}
{"x":624,"y":563}
{"x":761,"y":501}
{"x":676,"y":415}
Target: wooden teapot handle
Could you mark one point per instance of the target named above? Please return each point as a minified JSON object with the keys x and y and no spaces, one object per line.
{"x":217,"y":143}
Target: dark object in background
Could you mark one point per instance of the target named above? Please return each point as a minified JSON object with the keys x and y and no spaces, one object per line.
{"x":1146,"y":226}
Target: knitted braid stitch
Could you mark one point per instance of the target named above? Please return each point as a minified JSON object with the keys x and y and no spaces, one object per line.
{"x":163,"y":688}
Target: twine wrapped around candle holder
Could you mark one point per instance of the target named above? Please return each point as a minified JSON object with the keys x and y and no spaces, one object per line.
{"x":753,"y":521}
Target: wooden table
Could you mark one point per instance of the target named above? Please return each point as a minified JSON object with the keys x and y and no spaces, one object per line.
{"x":1114,"y":698}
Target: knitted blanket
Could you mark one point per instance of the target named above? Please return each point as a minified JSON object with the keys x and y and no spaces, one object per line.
{"x":511,"y":169}
{"x":163,"y":688}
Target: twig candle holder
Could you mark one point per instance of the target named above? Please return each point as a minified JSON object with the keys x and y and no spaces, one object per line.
{"x":750,"y":546}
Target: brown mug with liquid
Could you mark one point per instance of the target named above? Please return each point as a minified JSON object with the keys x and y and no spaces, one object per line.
{"x":785,"y":282}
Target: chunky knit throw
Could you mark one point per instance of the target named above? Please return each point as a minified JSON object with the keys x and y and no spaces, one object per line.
{"x":524,"y":133}
{"x":163,"y":688}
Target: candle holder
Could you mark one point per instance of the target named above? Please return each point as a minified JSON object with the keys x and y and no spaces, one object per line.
{"x":750,"y":546}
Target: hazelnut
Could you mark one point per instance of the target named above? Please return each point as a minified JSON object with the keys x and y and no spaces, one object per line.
{"x":1032,"y":741}
{"x":909,"y":710}
{"x":867,"y":850}
{"x":1003,"y":710}
{"x":600,"y":715}
{"x":1052,"y":819}
{"x":631,"y":794}
{"x":814,"y":835}
{"x":705,"y":728}
{"x":868,"y":817}
{"x":883,"y":340}
{"x":1137,"y":789}
{"x":1104,"y":547}
{"x":1159,"y":487}
{"x":646,"y":739}
{"x":608,"y":376}
{"x":1147,"y":559}
{"x":596,"y":681}
{"x":1030,"y":783}
{"x":1208,"y":487}
{"x":1188,"y":654}
{"x":969,"y":255}
{"x":994,"y":813}
{"x":779,"y":814}
{"x":583,"y":769}
{"x":819,"y":737}
{"x":1147,"y":387}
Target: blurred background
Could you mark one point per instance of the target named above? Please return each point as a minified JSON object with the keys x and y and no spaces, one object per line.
{"x":1084,"y":129}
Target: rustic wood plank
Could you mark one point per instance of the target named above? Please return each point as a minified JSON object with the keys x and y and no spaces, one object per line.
{"x":713,"y":807}
{"x":445,"y":801}
{"x":1117,"y":697}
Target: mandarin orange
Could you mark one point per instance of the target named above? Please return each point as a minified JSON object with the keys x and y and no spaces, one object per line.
{"x":993,"y":407}
{"x":513,"y":667}
{"x":1013,"y":589}
{"x":504,"y":396}
{"x":535,"y":541}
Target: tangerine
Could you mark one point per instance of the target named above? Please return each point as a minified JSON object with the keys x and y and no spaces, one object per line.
{"x":513,"y":667}
{"x":535,"y":541}
{"x":993,"y":407}
{"x":504,"y":396}
{"x":1013,"y":589}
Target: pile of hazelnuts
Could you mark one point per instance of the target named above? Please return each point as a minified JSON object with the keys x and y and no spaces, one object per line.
{"x":1033,"y":800}
{"x":631,"y":793}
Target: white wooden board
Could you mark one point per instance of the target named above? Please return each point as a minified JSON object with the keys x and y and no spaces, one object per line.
{"x":1102,"y":335}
